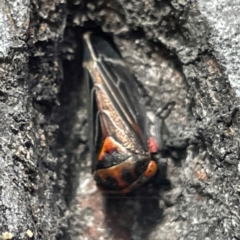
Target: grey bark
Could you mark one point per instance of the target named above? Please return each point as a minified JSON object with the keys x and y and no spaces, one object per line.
{"x":31,"y":204}
{"x":179,"y":52}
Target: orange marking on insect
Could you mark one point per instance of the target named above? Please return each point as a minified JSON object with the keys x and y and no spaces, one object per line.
{"x":151,"y":169}
{"x":115,"y":173}
{"x":109,"y":145}
{"x":152,"y":145}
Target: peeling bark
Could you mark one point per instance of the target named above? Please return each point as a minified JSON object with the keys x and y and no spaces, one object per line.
{"x":46,"y":185}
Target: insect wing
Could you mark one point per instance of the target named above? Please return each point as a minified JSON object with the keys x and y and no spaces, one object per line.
{"x":94,"y":131}
{"x":121,"y":91}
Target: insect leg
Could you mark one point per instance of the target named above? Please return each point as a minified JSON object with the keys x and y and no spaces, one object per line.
{"x":160,"y":125}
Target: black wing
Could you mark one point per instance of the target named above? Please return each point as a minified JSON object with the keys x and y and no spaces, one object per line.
{"x":120,"y":87}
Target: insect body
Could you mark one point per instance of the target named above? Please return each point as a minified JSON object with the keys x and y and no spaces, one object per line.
{"x":119,"y":141}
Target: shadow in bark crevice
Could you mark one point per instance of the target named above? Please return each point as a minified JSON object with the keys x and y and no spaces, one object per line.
{"x":72,"y":119}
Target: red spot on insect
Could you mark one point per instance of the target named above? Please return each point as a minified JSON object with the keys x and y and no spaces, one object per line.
{"x":151,"y":169}
{"x":152,"y":145}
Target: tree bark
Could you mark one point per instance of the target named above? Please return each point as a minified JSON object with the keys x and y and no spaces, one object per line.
{"x":31,"y":201}
{"x":181,"y":51}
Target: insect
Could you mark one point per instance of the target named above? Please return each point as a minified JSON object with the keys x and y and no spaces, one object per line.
{"x":119,"y":142}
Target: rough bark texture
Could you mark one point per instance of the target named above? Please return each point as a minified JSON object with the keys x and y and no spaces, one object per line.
{"x":46,"y":187}
{"x":31,"y":201}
